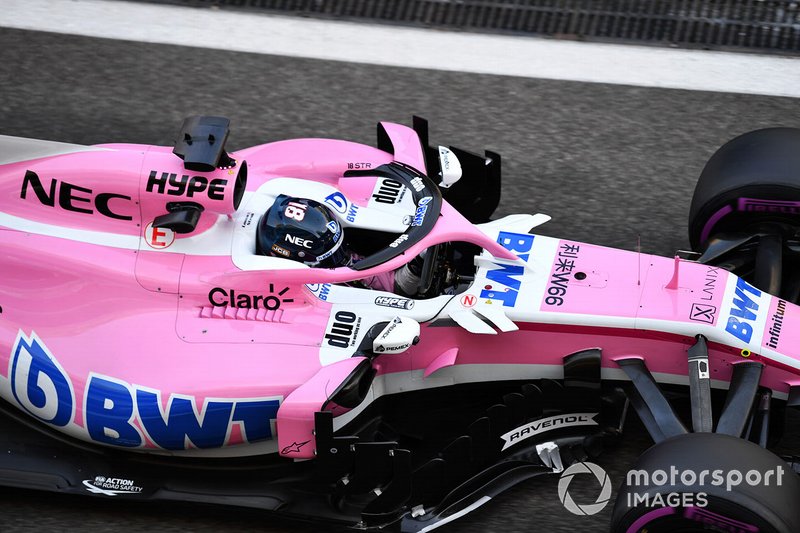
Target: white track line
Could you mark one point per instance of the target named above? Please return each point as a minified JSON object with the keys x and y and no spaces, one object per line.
{"x":409,"y":47}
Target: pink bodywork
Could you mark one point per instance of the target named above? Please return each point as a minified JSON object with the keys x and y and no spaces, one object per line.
{"x":86,"y":280}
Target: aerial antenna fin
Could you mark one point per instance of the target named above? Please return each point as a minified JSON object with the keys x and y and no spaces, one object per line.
{"x":673,"y":283}
{"x":639,"y":257}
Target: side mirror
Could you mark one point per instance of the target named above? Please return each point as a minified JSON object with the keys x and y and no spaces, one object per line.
{"x":451,"y":167}
{"x":397,"y":336}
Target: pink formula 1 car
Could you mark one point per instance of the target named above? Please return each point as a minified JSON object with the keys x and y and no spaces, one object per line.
{"x":151,"y":348}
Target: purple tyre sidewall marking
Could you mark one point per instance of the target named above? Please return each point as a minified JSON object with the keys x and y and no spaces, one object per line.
{"x":752,"y":205}
{"x":712,"y":221}
{"x":649,"y":517}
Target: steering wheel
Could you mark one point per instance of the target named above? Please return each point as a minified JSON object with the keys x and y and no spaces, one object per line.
{"x":429,"y":280}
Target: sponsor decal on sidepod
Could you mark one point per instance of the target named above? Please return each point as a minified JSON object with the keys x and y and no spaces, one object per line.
{"x":117,"y":413}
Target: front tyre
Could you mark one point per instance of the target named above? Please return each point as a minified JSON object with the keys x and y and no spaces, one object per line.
{"x":663,"y":492}
{"x":751,"y":180}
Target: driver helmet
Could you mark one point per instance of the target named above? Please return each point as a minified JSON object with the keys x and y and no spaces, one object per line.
{"x":302,"y":230}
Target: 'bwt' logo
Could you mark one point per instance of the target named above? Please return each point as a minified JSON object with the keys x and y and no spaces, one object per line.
{"x":120,"y":414}
{"x":509,"y":275}
{"x":38,"y":382}
{"x":743,"y":311}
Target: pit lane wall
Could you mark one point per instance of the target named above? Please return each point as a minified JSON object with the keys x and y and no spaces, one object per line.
{"x":716,"y":24}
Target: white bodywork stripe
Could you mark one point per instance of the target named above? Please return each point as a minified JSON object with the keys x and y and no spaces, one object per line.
{"x":504,"y":55}
{"x":113,"y":240}
{"x":15,"y":149}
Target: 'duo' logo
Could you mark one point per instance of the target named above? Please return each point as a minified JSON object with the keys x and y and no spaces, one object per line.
{"x":38,"y":382}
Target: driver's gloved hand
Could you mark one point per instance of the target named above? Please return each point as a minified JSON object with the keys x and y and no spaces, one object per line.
{"x":406,"y":278}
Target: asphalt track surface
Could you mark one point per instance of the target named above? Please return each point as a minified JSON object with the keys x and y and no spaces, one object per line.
{"x":609,"y":163}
